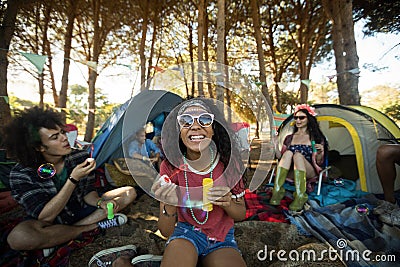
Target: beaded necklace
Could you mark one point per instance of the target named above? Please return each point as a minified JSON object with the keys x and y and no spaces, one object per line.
{"x":187,"y":188}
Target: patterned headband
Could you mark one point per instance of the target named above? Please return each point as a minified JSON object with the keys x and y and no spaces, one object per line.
{"x":191,"y":103}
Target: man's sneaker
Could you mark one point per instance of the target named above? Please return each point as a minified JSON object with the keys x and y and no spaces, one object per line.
{"x":384,"y":207}
{"x":48,"y":251}
{"x":147,"y":260}
{"x":391,"y":218}
{"x":118,"y":220}
{"x":106,"y":257}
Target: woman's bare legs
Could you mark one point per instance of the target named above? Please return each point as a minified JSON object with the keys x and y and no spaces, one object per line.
{"x":180,"y":253}
{"x":224,"y":257}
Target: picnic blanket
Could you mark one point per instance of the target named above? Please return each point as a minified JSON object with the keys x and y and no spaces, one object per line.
{"x":259,"y":209}
{"x":35,"y":258}
{"x":333,"y":193}
{"x":351,"y":231}
{"x":7,"y":202}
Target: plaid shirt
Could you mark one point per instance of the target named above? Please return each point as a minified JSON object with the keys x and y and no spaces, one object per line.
{"x":33,"y":192}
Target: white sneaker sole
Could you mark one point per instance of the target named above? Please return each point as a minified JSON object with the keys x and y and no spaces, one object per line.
{"x":110,"y":250}
{"x":145,"y":258}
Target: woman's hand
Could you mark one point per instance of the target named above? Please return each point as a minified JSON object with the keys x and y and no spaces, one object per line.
{"x":319,"y":148}
{"x":84,"y":169}
{"x":220,"y":196}
{"x":166,"y":193}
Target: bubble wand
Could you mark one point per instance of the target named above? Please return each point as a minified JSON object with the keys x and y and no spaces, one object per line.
{"x":314,"y":149}
{"x":167,"y":180}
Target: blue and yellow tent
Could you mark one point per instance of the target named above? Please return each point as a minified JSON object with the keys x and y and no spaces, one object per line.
{"x":355,"y":132}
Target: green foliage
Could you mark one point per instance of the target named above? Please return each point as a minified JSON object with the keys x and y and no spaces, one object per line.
{"x":19,"y":104}
{"x":78,"y":107}
{"x":393,"y":111}
{"x":380,"y":15}
{"x":385,"y":98}
{"x":323,"y":93}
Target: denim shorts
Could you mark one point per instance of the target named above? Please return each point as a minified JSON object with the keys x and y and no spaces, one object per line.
{"x":204,"y":245}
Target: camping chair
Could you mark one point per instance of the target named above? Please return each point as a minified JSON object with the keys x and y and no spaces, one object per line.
{"x":323,"y":174}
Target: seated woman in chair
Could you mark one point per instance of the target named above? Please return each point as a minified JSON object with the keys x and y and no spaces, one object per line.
{"x":297,"y":152}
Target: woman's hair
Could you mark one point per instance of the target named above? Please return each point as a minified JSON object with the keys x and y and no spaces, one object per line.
{"x":224,"y":139}
{"x":21,"y":134}
{"x":313,"y":129}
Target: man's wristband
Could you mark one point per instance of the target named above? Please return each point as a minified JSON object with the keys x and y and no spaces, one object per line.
{"x":165,"y":213}
{"x":74,"y":181}
{"x":98,"y":204}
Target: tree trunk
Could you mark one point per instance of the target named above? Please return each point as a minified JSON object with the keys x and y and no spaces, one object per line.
{"x":93,"y":73}
{"x":92,"y":105}
{"x":45,"y":49}
{"x":52,"y":79}
{"x":206,"y":57}
{"x":344,"y":45}
{"x":220,"y":49}
{"x":260,"y":51}
{"x":6,"y":34}
{"x":143,"y":46}
{"x":200,"y":30}
{"x":153,"y":41}
{"x":303,"y":76}
{"x":41,"y":89}
{"x":67,"y":53}
{"x":191,"y":58}
{"x":273,"y":64}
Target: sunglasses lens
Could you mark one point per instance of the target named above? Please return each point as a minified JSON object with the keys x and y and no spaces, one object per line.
{"x":299,"y":117}
{"x":185,"y":120}
{"x":46,"y":171}
{"x":205,"y":120}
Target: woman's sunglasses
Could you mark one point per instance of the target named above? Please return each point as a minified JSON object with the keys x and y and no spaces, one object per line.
{"x":187,"y":120}
{"x":299,"y":117}
{"x":46,"y":171}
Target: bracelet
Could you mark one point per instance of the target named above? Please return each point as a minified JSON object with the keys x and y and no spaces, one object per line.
{"x":74,"y":181}
{"x":165,"y":213}
{"x":98,"y":205}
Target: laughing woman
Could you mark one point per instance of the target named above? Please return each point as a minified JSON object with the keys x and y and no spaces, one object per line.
{"x":199,"y":144}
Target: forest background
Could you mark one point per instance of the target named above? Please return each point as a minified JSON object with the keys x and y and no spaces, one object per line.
{"x":274,"y":44}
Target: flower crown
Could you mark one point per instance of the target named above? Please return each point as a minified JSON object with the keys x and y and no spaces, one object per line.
{"x":309,"y":109}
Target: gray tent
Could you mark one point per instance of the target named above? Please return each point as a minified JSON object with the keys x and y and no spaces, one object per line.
{"x":124,"y":122}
